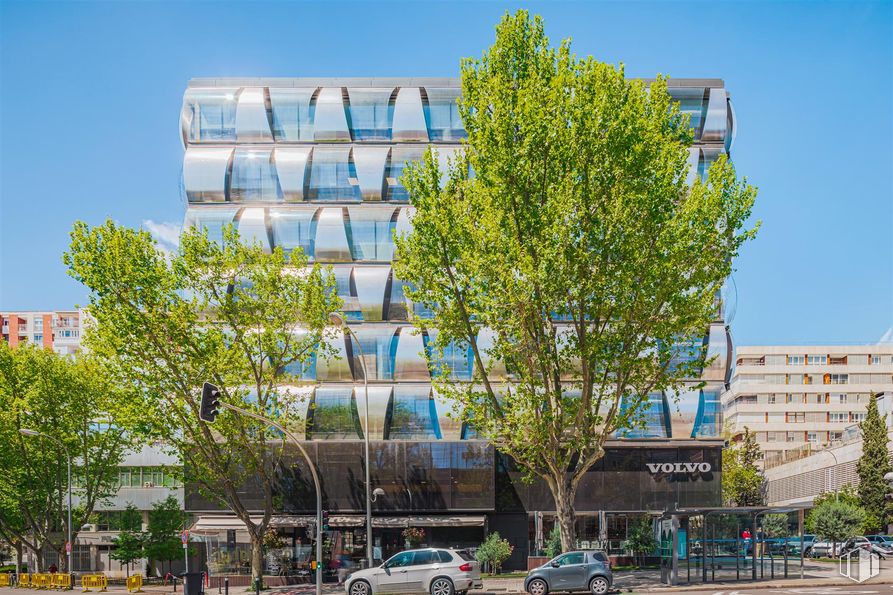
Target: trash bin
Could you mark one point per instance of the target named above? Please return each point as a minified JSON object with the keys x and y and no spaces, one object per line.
{"x":192,"y":583}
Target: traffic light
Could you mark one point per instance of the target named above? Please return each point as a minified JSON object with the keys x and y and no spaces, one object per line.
{"x":210,"y":406}
{"x":325,"y":520}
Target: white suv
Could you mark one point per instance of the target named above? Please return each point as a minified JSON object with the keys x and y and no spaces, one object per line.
{"x":431,"y":570}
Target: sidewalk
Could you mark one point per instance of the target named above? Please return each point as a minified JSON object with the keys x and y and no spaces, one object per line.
{"x":816,"y":575}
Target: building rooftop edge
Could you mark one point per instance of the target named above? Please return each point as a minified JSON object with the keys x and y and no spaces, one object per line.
{"x":421,"y":81}
{"x":819,"y":349}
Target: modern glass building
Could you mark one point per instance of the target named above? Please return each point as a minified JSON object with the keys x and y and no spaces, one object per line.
{"x":315,"y":164}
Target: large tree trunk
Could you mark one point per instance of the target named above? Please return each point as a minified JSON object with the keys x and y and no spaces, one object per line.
{"x":257,"y":558}
{"x":18,"y":548}
{"x":564,"y":495}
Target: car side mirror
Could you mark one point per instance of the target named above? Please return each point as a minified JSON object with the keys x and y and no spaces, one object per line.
{"x":556,"y":565}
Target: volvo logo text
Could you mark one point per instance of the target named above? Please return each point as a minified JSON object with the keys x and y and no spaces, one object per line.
{"x":655,"y":468}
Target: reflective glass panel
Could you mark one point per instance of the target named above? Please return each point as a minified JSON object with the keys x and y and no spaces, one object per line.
{"x":212,"y":221}
{"x":333,"y":176}
{"x":442,"y":114}
{"x":413,"y":416}
{"x":371,"y":113}
{"x":397,"y":304}
{"x":213,"y":114}
{"x":709,"y":418}
{"x":294,"y":229}
{"x":691,"y":101}
{"x":457,"y":360}
{"x":379,"y":348}
{"x":292,"y":114}
{"x":651,"y":419}
{"x":254,"y":176}
{"x":334,"y":414}
{"x":370,"y":232}
{"x":400,"y":158}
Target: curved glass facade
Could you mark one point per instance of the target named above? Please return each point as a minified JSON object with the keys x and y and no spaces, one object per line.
{"x":315,"y":165}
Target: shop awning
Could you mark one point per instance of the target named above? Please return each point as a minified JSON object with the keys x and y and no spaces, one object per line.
{"x":428,"y":521}
{"x":211,"y":524}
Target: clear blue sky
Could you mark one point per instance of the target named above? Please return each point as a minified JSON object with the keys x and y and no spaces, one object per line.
{"x":91,"y":98}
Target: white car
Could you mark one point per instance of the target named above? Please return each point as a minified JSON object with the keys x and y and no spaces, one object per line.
{"x":825,"y":549}
{"x":431,"y":570}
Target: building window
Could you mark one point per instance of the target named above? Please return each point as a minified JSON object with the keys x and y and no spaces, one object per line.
{"x":334,"y":414}
{"x":796,"y":360}
{"x":333,"y":176}
{"x":413,"y":416}
{"x":817,"y":360}
{"x":792,"y":437}
{"x":293,"y":230}
{"x":838,"y":417}
{"x":837,"y":378}
{"x":857,"y":417}
{"x":771,"y":399}
{"x":835,"y":436}
{"x":38,"y":339}
{"x":38,"y":325}
{"x":812,"y":437}
{"x":371,"y":113}
{"x":795,"y":418}
{"x":254,"y":176}
{"x":442,"y":114}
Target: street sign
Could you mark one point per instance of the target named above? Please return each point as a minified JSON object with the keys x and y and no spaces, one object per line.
{"x":67,"y":547}
{"x":184,"y":537}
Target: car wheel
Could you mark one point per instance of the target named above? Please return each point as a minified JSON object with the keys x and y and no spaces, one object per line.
{"x":598,"y":585}
{"x":442,"y":586}
{"x":537,"y":587}
{"x":360,"y":587}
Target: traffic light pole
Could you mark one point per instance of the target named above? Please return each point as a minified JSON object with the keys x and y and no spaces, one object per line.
{"x":313,"y":472}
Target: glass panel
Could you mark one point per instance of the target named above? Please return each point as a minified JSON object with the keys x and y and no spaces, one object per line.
{"x":442,"y":114}
{"x":292,"y":114}
{"x":457,"y":360}
{"x":379,"y":348}
{"x":651,"y":419}
{"x":400,"y":158}
{"x":692,"y":102}
{"x":294,"y":229}
{"x":371,"y":113}
{"x":254,"y":176}
{"x":213,"y":114}
{"x":212,"y":221}
{"x":332,"y":176}
{"x":709,"y":419}
{"x":334,"y":414}
{"x":370,"y":232}
{"x":413,"y":416}
{"x":397,"y":305}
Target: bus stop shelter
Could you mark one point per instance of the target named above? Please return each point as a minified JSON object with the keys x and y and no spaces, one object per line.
{"x":705,"y":545}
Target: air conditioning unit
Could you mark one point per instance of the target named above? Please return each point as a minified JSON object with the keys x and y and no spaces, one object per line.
{"x":148,"y":484}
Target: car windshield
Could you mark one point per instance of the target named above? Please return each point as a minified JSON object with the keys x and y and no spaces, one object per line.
{"x":398,"y":560}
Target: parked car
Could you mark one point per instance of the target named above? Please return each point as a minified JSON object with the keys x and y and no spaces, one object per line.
{"x":431,"y":570}
{"x":885,"y":541}
{"x":573,"y":571}
{"x":864,"y":543}
{"x":808,"y":541}
{"x":825,"y":549}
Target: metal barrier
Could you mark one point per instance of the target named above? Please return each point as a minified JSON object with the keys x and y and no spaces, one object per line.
{"x":5,"y":579}
{"x":42,"y":580}
{"x":135,"y":583}
{"x":24,"y":580}
{"x":94,"y":581}
{"x":61,"y":581}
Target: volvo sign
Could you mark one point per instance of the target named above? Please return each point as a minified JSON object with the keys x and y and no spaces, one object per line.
{"x":655,"y":468}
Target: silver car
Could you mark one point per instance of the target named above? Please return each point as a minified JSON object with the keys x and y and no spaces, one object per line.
{"x":432,"y":570}
{"x":573,"y":571}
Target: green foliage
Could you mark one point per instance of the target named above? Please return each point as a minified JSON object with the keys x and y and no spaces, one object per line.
{"x":835,"y":520}
{"x":494,"y":551}
{"x":166,"y":521}
{"x":272,"y":539}
{"x":553,"y":543}
{"x":227,"y":313}
{"x":640,"y":538}
{"x":742,"y":480}
{"x":871,"y":467}
{"x":776,"y":525}
{"x":847,"y":494}
{"x":76,"y":402}
{"x":129,"y":543}
{"x":574,"y":258}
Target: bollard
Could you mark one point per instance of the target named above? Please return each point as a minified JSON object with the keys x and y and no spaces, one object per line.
{"x":226,"y":586}
{"x":257,"y":587}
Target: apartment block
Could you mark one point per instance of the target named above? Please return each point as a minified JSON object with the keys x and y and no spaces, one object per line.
{"x":59,"y":330}
{"x":799,"y":399}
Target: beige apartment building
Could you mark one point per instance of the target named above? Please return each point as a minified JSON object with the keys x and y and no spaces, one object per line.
{"x":799,"y":399}
{"x":58,"y":330}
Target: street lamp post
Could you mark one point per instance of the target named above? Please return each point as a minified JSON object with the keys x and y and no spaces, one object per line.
{"x":338,"y":321}
{"x":27,"y":432}
{"x":313,"y":473}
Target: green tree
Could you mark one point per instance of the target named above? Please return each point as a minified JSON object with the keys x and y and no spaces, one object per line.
{"x":494,"y":551}
{"x":76,"y":402}
{"x":553,"y":543}
{"x":776,"y":525}
{"x":640,"y":539}
{"x":225,"y":312}
{"x":166,"y":520}
{"x":871,"y":467}
{"x":742,"y":479}
{"x":574,"y":259}
{"x":129,"y":543}
{"x":835,"y":521}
